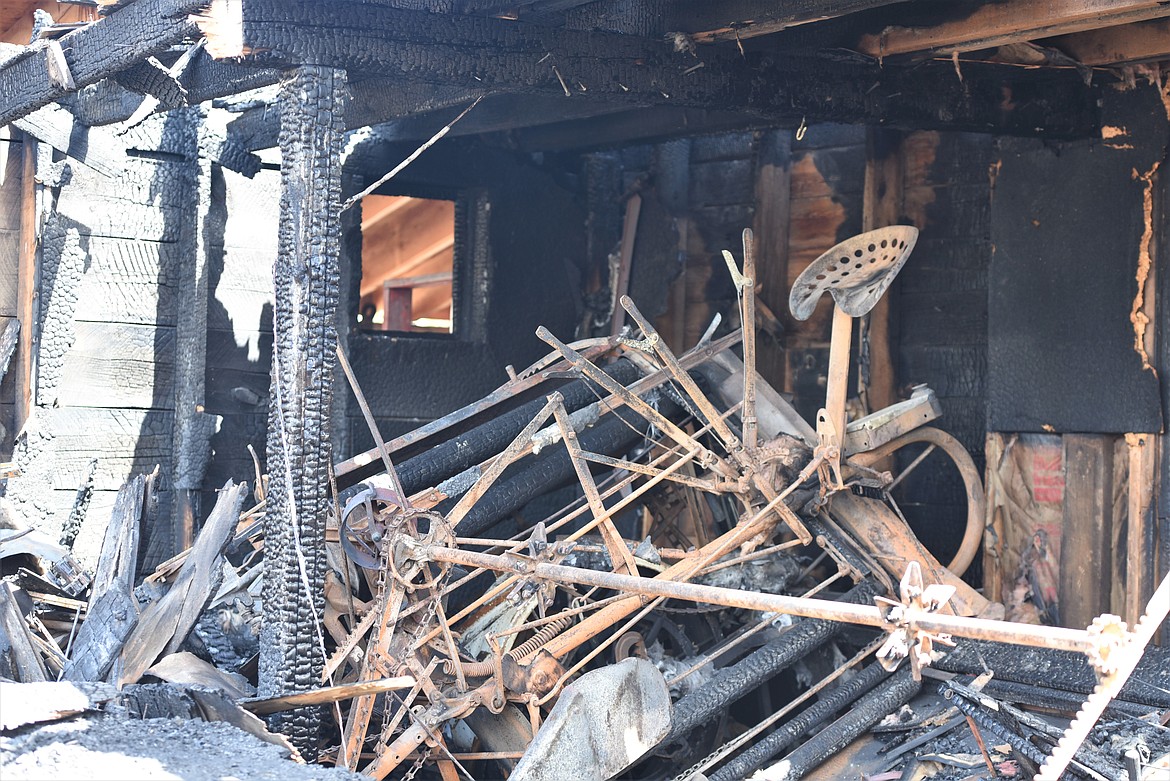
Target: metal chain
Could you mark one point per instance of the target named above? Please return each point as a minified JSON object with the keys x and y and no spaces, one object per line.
{"x":418,"y":764}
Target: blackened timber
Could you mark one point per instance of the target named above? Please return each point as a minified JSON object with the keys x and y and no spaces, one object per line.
{"x":372,"y":102}
{"x":306,"y":282}
{"x":729,"y":20}
{"x":511,"y":56}
{"x":115,"y":43}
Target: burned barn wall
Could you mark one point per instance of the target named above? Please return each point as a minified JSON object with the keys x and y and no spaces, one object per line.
{"x":111,"y":249}
{"x":1067,"y":335}
{"x":939,"y":315}
{"x":519,"y":258}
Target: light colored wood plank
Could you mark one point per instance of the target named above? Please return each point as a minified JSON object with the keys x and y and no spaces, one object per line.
{"x":129,"y":281}
{"x":1139,"y":582}
{"x":9,"y":271}
{"x":1085,"y":545}
{"x":1138,"y":42}
{"x":119,"y":365}
{"x":26,"y":283}
{"x":997,"y":24}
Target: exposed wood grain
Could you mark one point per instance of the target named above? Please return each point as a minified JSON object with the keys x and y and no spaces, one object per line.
{"x":113,"y":610}
{"x":1085,"y":543}
{"x":26,"y":282}
{"x":1139,"y":570}
{"x":119,"y":365}
{"x":997,"y":24}
{"x":165,"y":624}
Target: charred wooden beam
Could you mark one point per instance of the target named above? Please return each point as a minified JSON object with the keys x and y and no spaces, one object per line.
{"x":306,"y":280}
{"x":997,"y":24}
{"x":1138,"y":42}
{"x":507,"y":56}
{"x":122,"y":40}
{"x":519,"y":7}
{"x":707,"y":22}
{"x":650,"y":123}
{"x":372,"y":102}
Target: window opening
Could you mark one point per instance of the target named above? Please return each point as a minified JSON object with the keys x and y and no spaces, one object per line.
{"x":408,"y":264}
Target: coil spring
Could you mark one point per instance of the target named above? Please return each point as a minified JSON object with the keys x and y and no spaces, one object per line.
{"x":529,"y":646}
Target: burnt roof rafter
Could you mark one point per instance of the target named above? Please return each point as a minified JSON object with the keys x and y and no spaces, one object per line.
{"x":499,"y":55}
{"x":123,"y":39}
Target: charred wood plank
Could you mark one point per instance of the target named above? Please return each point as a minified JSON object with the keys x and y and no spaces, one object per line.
{"x":57,"y":127}
{"x":113,"y":611}
{"x":19,"y":659}
{"x":511,"y":56}
{"x":306,"y":281}
{"x":733,"y":682}
{"x":731,"y":20}
{"x":119,"y":41}
{"x":165,"y":624}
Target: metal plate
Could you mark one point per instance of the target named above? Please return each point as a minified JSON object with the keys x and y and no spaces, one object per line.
{"x":856,"y":272}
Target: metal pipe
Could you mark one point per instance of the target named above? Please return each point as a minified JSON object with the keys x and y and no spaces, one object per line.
{"x":867,"y":615}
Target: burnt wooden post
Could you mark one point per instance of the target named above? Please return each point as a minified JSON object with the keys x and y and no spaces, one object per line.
{"x":306,"y":282}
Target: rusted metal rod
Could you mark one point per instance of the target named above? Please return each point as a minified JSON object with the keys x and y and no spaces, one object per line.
{"x":866,"y":615}
{"x":326,"y":694}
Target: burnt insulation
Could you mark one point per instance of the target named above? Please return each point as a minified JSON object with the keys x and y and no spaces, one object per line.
{"x":306,"y":282}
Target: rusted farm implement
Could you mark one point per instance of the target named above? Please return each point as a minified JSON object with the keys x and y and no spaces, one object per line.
{"x":691,"y":484}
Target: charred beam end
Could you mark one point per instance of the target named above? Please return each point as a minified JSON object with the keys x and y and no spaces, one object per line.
{"x":306,"y":280}
{"x":510,"y":56}
{"x":115,"y":43}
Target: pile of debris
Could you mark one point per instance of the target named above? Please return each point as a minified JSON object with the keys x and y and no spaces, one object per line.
{"x":623,"y":563}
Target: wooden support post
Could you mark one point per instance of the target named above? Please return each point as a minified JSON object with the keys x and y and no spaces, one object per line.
{"x":1085,"y":543}
{"x":773,"y":187}
{"x":306,"y":281}
{"x":881,"y":206}
{"x":26,"y":285}
{"x":1140,"y":552}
